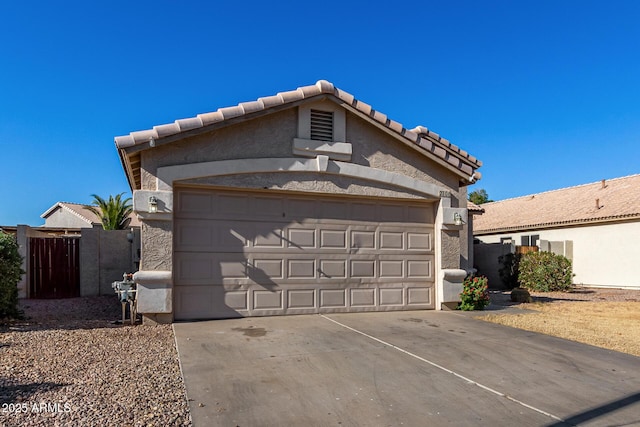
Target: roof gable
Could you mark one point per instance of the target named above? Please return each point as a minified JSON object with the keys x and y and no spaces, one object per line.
{"x":422,"y":139}
{"x":603,"y":201}
{"x":74,"y":209}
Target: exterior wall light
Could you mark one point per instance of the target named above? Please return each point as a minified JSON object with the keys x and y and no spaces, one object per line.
{"x":457,"y":219}
{"x":153,"y":204}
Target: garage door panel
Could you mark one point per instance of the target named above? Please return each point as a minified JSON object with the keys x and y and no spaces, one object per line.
{"x":392,"y":297}
{"x":418,"y":214}
{"x":333,"y":269}
{"x":392,"y":240}
{"x":206,"y":302}
{"x":269,"y":239}
{"x":391,"y":213}
{"x":267,"y":207}
{"x":301,"y":269}
{"x":270,"y":269}
{"x":333,"y":239}
{"x":196,"y":235}
{"x":267,"y":300}
{"x":301,"y":238}
{"x":334,"y":210}
{"x":194,"y":204}
{"x":419,"y":269}
{"x":363,"y":297}
{"x":363,"y":239}
{"x":363,"y":212}
{"x":419,"y":241}
{"x":363,"y":268}
{"x":419,"y":296}
{"x":193,"y":268}
{"x":231,"y":206}
{"x":248,"y":254}
{"x":393,"y":269}
{"x":333,"y":298}
{"x":301,"y":299}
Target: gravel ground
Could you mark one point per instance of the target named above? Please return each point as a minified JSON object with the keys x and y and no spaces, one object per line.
{"x":68,"y":363}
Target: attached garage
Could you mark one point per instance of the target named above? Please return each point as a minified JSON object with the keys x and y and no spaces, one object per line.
{"x":240,"y":253}
{"x":308,"y":201}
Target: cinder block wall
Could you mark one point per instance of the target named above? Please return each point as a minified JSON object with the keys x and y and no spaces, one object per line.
{"x":104,"y":256}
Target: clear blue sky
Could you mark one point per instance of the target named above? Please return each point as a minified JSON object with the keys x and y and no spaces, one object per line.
{"x":545,"y":93}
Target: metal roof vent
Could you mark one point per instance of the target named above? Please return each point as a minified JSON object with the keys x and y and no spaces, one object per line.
{"x":322,"y":125}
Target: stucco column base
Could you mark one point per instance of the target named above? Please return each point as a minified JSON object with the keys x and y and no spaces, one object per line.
{"x":155,"y":292}
{"x":157,"y":319}
{"x":452,"y":280}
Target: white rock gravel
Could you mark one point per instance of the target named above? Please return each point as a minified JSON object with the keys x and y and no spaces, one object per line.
{"x":69,"y":364}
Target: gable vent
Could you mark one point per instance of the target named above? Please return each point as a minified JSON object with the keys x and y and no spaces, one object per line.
{"x":322,"y":125}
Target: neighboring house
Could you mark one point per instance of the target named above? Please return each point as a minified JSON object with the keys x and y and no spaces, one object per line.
{"x":595,"y":225}
{"x":307,"y":201}
{"x":75,"y":215}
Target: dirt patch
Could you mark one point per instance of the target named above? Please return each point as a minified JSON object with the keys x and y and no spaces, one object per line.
{"x":605,"y":318}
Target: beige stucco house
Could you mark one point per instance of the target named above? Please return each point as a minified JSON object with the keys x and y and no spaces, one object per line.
{"x":307,"y":201}
{"x":594,"y":225}
{"x":75,"y":215}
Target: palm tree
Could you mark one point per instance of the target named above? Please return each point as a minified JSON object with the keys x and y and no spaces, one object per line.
{"x":113,"y":213}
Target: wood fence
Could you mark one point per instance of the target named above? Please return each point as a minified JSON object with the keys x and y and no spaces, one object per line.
{"x":54,"y":267}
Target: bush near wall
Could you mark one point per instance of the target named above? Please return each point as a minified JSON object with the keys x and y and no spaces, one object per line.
{"x":545,"y":272}
{"x":10,"y":274}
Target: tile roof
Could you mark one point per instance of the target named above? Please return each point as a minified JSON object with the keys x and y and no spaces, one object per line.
{"x":429,"y":141}
{"x":473,"y":208}
{"x":85,"y":214}
{"x":606,"y":200}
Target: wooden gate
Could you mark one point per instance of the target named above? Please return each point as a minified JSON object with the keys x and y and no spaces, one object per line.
{"x":526,"y":249}
{"x":54,"y":267}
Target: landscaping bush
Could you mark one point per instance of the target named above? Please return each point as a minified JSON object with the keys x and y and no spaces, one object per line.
{"x":475,"y":294}
{"x":545,"y":272}
{"x":509,"y":270}
{"x":10,"y":273}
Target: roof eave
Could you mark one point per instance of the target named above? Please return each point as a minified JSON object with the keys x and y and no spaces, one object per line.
{"x":558,"y":224}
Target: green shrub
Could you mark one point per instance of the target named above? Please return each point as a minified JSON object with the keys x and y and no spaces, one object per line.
{"x":475,"y":294}
{"x":10,"y":274}
{"x":509,"y":270}
{"x":545,"y":272}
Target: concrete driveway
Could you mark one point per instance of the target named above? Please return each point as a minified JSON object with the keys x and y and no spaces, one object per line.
{"x":420,"y":368}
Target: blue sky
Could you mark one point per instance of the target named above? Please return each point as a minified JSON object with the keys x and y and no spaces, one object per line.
{"x":545,"y":93}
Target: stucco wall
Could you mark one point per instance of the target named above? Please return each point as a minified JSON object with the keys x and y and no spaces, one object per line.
{"x":375,"y":148}
{"x":603,"y":255}
{"x":60,"y":218}
{"x":272,"y":136}
{"x":104,"y":256}
{"x":269,"y":136}
{"x":157,"y":245}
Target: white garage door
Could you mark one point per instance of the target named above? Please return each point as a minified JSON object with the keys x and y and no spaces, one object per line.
{"x":243,"y":253}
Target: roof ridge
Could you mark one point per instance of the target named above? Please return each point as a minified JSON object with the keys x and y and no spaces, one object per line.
{"x":78,"y":213}
{"x":562,"y":189}
{"x":73,"y":203}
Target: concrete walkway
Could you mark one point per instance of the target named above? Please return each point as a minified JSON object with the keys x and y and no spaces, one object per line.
{"x":399,"y":369}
